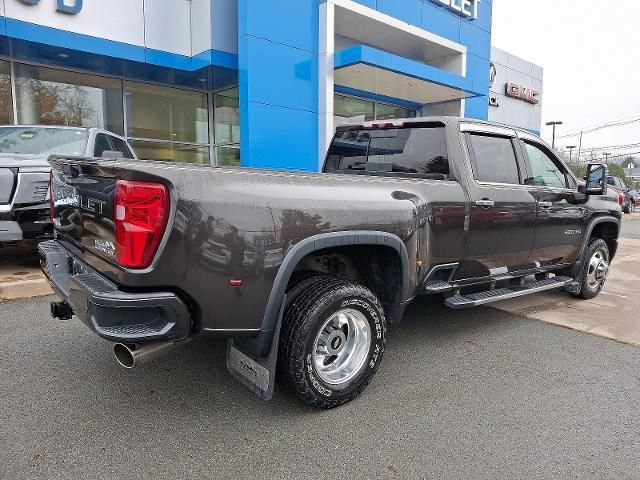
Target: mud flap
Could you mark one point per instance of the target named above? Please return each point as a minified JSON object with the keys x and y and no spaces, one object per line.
{"x":257,"y":374}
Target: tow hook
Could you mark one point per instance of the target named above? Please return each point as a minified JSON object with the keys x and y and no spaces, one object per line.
{"x":61,"y":310}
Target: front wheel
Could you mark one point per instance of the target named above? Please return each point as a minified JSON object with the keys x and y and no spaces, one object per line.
{"x":594,"y":270}
{"x":332,"y":341}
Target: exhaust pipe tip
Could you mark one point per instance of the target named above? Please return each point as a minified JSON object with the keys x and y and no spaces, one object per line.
{"x":124,"y":355}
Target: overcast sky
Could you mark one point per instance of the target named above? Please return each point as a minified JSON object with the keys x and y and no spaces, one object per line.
{"x":590,"y":52}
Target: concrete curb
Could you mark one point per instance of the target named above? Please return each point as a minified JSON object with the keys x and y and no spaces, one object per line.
{"x":25,"y":289}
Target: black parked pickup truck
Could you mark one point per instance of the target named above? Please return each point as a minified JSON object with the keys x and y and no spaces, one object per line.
{"x":302,"y":272}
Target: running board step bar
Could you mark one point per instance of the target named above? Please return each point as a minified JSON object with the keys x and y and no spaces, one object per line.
{"x":476,"y":299}
{"x":437,"y":286}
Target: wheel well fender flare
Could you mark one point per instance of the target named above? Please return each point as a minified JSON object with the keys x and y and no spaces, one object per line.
{"x":593,"y":225}
{"x":321,"y":242}
{"x":585,"y":242}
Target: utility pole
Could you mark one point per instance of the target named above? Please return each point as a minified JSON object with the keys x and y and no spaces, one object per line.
{"x":553,"y":124}
{"x":606,"y":157}
{"x":571,"y":148}
{"x":580,"y":148}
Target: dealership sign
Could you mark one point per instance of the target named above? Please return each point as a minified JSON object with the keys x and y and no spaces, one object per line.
{"x":465,"y":8}
{"x":522,"y":93}
{"x":70,"y":7}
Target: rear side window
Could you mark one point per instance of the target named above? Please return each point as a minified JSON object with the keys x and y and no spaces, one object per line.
{"x":420,"y":152}
{"x":101,"y":144}
{"x":494,"y":159}
{"x":119,"y":145}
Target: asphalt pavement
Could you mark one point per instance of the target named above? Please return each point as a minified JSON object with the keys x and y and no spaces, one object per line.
{"x":471,"y":394}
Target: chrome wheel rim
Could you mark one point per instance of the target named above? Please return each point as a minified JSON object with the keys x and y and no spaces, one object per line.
{"x":597,"y":271}
{"x":342,"y":346}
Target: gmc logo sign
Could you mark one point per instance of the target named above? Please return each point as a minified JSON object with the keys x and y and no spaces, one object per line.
{"x":522,"y":93}
{"x":70,"y":7}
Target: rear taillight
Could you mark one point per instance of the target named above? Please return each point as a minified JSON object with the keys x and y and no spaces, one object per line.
{"x":141,"y":213}
{"x":620,"y":198}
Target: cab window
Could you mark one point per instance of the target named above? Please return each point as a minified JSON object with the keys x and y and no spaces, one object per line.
{"x":545,"y":172}
{"x":494,"y":159}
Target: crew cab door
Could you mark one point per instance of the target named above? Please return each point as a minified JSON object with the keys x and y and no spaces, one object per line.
{"x":560,"y":212}
{"x":502,"y":210}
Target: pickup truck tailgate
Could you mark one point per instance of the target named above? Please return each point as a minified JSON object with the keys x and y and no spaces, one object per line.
{"x":83,"y":198}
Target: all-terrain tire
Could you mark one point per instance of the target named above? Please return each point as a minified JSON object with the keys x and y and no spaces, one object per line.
{"x":589,"y":290}
{"x":311,"y":303}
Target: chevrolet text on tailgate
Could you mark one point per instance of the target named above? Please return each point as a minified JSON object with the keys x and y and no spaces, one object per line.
{"x":303,"y":272}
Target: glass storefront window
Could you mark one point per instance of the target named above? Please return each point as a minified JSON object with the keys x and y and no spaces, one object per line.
{"x":226,"y":116}
{"x":228,"y":156}
{"x":387,"y":112}
{"x":352,"y":110}
{"x":355,"y":110}
{"x":6,"y":102}
{"x":58,"y":97}
{"x":163,"y":113}
{"x":170,"y":152}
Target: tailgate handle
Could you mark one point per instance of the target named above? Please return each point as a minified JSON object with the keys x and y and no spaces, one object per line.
{"x":485,"y":202}
{"x":545,"y":204}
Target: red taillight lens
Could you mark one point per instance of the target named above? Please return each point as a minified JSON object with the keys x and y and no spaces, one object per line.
{"x":141,"y":213}
{"x":620,"y":198}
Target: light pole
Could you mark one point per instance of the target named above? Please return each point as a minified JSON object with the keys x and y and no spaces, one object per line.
{"x":553,"y":124}
{"x":571,"y":148}
{"x":606,"y":157}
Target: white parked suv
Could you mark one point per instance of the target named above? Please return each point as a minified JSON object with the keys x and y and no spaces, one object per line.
{"x":24,"y":172}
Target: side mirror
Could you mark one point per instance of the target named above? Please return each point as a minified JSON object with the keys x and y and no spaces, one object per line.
{"x":596,"y":179}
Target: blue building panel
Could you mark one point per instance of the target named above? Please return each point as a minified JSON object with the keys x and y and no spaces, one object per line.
{"x":280,"y":75}
{"x":436,"y":19}
{"x":476,"y":39}
{"x":477,"y":107}
{"x":279,"y":83}
{"x":485,"y":14}
{"x":279,"y":138}
{"x":292,"y":23}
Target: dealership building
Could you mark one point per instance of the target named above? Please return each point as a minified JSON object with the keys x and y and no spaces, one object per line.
{"x":257,"y":83}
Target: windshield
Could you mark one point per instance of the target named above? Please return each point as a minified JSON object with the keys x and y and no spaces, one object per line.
{"x":43,"y":141}
{"x":420,"y":152}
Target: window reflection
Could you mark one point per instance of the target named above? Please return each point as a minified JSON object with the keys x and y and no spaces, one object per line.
{"x":170,"y":152}
{"x":387,"y":112}
{"x":352,"y":110}
{"x":6,"y":102}
{"x":228,"y":156}
{"x":163,"y":123}
{"x":356,"y":110}
{"x":164,"y":113}
{"x":227,"y":117}
{"x":57,"y":97}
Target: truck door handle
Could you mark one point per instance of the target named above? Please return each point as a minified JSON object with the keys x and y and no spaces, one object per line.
{"x":485,"y":202}
{"x":545,"y":204}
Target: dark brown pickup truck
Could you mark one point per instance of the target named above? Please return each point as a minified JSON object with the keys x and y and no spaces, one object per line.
{"x":302,"y":272}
